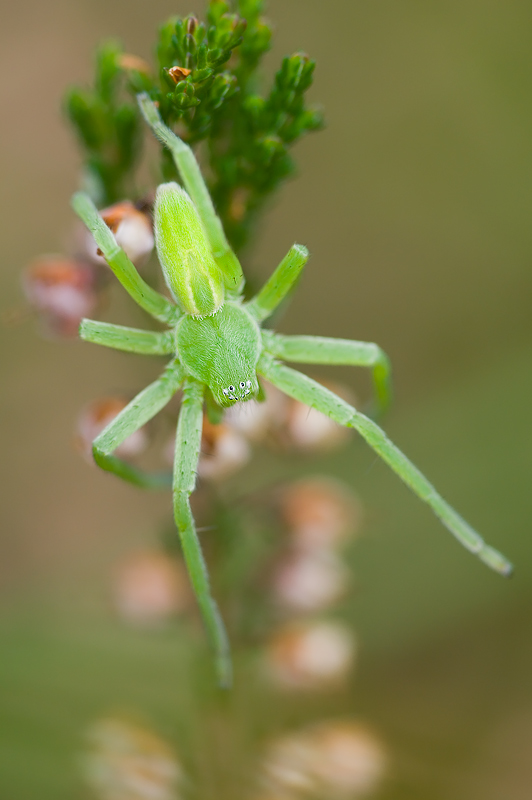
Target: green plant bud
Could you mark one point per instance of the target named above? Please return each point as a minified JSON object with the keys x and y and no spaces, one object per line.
{"x":184,"y":101}
{"x":107,"y":68}
{"x":269,"y":147}
{"x":190,"y":44}
{"x":191,"y":23}
{"x":199,"y":33}
{"x":184,"y":253}
{"x":179,"y":29}
{"x":201,"y":57}
{"x":215,"y":10}
{"x":215,"y":55}
{"x":201,"y":74}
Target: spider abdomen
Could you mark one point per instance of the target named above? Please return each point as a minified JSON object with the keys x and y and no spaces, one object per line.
{"x":184,"y":253}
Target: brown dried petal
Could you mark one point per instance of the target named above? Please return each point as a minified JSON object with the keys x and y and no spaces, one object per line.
{"x":178,"y":74}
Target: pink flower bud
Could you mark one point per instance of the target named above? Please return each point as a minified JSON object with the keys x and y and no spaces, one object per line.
{"x":132,"y":229}
{"x":309,"y":580}
{"x":320,"y":512}
{"x":96,"y":416}
{"x":62,"y":291}
{"x":150,"y":587}
{"x":312,"y":655}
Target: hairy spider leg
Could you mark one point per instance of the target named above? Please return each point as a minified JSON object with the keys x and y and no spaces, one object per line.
{"x":187,"y":452}
{"x":147,"y":298}
{"x":130,"y":340}
{"x":343,"y":352}
{"x":192,"y":178}
{"x":279,"y":284}
{"x":302,"y":388}
{"x":141,"y":409}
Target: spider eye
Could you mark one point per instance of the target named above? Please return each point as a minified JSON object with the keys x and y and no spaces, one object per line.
{"x":231,"y":388}
{"x":242,"y":385}
{"x":248,"y":384}
{"x":225,"y":391}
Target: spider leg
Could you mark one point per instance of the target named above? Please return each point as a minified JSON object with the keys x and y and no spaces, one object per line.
{"x":141,"y":409}
{"x":279,"y":284}
{"x":322,"y":350}
{"x":131,"y":340}
{"x":307,"y":391}
{"x":192,"y":178}
{"x":146,"y":297}
{"x":187,"y":450}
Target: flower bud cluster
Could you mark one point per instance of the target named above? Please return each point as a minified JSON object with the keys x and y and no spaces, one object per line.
{"x":278,"y":421}
{"x":320,"y":515}
{"x":205,"y":85}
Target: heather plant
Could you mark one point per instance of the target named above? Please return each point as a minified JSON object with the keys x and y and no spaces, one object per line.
{"x":225,"y":147}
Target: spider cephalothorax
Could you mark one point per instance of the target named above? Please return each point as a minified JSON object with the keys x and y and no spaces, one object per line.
{"x":222,"y":351}
{"x":216,"y":343}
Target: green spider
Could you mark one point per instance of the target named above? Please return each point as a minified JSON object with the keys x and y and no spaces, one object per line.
{"x":218,"y":351}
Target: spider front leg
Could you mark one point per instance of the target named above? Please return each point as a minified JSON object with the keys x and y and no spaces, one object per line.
{"x":187,"y":452}
{"x":146,"y":297}
{"x":141,"y":409}
{"x":307,"y":391}
{"x":344,"y":352}
{"x":279,"y":284}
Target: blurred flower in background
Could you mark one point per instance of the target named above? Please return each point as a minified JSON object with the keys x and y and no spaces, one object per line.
{"x":310,"y":655}
{"x":308,"y":581}
{"x":223,"y":451}
{"x":150,"y":587}
{"x":61,"y":291}
{"x":320,"y":512}
{"x":310,"y":430}
{"x":337,"y":760}
{"x":127,"y":762}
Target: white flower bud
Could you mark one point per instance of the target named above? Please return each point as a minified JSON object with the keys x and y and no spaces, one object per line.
{"x":150,"y":587}
{"x":256,"y":420}
{"x":339,"y":760}
{"x":320,"y":512}
{"x":308,"y":581}
{"x":127,"y":762}
{"x":223,"y":451}
{"x":132,"y":229}
{"x":309,"y":429}
{"x":312,"y":655}
{"x":350,"y":761}
{"x":62,"y":291}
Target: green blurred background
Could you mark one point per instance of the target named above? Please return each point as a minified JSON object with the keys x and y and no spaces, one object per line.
{"x":415,"y":203}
